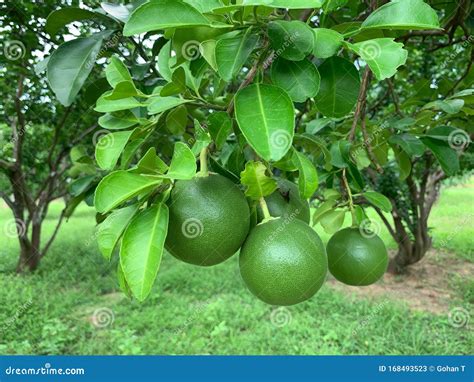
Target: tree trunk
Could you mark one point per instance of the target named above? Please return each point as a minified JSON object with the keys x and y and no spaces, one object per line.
{"x":29,"y":257}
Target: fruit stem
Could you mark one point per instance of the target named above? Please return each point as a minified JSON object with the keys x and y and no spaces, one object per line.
{"x":203,"y":162}
{"x":349,"y":194}
{"x":265,"y":210}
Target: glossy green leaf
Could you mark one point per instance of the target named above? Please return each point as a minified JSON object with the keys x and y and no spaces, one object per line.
{"x":232,"y":53}
{"x":111,"y":229}
{"x":119,"y":186}
{"x":323,"y":209}
{"x":441,"y":142}
{"x":109,"y":148}
{"x":409,"y":143}
{"x":151,"y":163}
{"x":117,"y":72}
{"x":450,"y":106}
{"x":104,"y":105}
{"x":204,"y":6}
{"x":61,"y":17}
{"x":183,"y":163}
{"x":118,"y":120}
{"x":292,"y":40}
{"x":176,"y":120}
{"x":258,"y":184}
{"x":124,"y":89}
{"x":403,"y":14}
{"x":202,"y":138}
{"x":332,"y":5}
{"x":70,"y":65}
{"x":333,"y":220}
{"x":339,"y":88}
{"x":265,"y":116}
{"x":300,"y":79}
{"x":293,"y":4}
{"x":220,"y":126}
{"x":378,"y":200}
{"x":161,"y":104}
{"x":308,"y":176}
{"x":326,"y":42}
{"x":383,"y":55}
{"x":162,"y":14}
{"x":142,"y":249}
{"x":80,"y":185}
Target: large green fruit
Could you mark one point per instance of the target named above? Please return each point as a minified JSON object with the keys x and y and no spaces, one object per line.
{"x":209,"y":220}
{"x":286,"y":202}
{"x":283,"y":262}
{"x":355,"y":259}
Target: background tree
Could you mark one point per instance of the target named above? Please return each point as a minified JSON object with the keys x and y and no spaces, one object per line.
{"x":37,"y":132}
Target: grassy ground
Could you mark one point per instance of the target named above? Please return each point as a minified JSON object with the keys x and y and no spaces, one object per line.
{"x":72,"y":304}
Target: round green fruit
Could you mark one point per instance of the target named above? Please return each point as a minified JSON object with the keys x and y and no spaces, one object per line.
{"x":286,"y":202}
{"x":355,"y":259}
{"x":209,"y":219}
{"x":283,"y":262}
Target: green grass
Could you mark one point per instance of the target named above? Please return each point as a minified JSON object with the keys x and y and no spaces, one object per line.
{"x":196,"y":310}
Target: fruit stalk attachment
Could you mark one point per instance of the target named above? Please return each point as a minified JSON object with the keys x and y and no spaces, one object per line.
{"x":203,"y":163}
{"x":349,"y":195}
{"x":264,"y":207}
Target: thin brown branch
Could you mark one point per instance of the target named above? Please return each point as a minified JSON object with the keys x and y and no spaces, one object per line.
{"x":361,"y":101}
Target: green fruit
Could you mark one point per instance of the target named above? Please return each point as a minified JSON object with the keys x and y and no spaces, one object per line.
{"x":286,"y":202}
{"x":355,"y":259}
{"x":209,"y":220}
{"x":283,"y":262}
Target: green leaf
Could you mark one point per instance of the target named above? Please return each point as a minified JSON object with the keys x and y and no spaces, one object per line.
{"x":265,"y":116}
{"x":409,"y":143}
{"x":383,"y":55}
{"x":151,"y":163}
{"x":118,"y":120}
{"x":339,"y":88}
{"x":292,"y":40}
{"x":332,"y":5}
{"x":176,"y":120}
{"x":183,"y":163}
{"x":308,"y":176}
{"x":161,"y":104}
{"x":110,"y":230}
{"x":162,"y":14}
{"x":403,"y":14}
{"x":204,"y":6}
{"x":104,"y":105}
{"x":110,"y":147}
{"x":293,"y":4}
{"x":232,"y":53}
{"x":202,"y":138}
{"x":70,"y":65}
{"x":332,"y":221}
{"x":258,"y":184}
{"x":117,"y":72}
{"x":441,"y":149}
{"x":142,"y":249}
{"x":378,"y":200}
{"x":80,"y":185}
{"x":451,"y":106}
{"x":404,"y":164}
{"x":124,"y":89}
{"x":323,"y":209}
{"x":326,"y":42}
{"x":119,"y":186}
{"x":300,"y":79}
{"x":61,"y":17}
{"x":220,"y":126}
